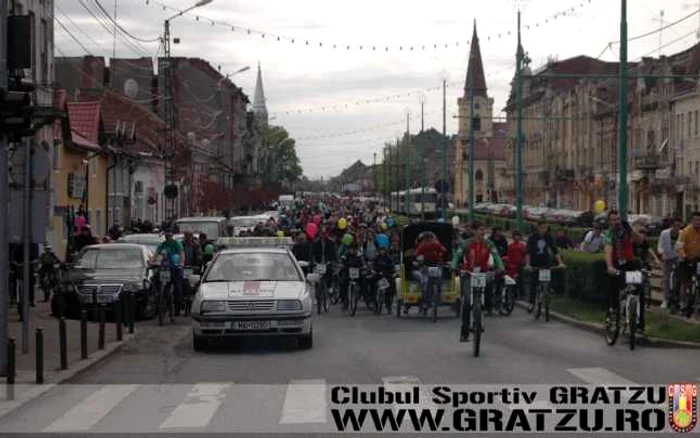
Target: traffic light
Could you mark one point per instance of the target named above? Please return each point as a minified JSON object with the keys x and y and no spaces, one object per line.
{"x":16,"y":112}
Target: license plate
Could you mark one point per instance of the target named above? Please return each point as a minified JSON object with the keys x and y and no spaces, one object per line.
{"x":634,"y":277}
{"x":354,"y":273}
{"x":321,"y":269}
{"x":383,"y":284}
{"x":164,"y":276}
{"x":434,"y":271}
{"x":478,"y":280}
{"x":105,"y":299}
{"x":545,"y":275}
{"x":187,"y":273}
{"x":251,"y":325}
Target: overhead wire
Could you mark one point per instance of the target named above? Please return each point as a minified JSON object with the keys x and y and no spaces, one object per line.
{"x":135,"y":47}
{"x":143,"y":40}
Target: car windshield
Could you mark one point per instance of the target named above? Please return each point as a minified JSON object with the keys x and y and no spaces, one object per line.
{"x":253,"y":267}
{"x":152,"y":241}
{"x":111,"y":258}
{"x":211,"y":229}
{"x":246,"y":222}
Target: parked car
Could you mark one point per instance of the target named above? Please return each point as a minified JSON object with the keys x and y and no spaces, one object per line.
{"x":149,"y":240}
{"x":107,"y":270}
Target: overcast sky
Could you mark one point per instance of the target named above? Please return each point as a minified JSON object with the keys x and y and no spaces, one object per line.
{"x":302,"y":77}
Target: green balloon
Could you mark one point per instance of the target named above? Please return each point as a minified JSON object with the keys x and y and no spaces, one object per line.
{"x":347,"y":239}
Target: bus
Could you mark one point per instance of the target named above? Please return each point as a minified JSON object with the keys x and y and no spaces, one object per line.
{"x":420,"y":198}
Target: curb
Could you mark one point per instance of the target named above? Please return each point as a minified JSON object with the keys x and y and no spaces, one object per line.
{"x":23,"y":393}
{"x":600,"y":330}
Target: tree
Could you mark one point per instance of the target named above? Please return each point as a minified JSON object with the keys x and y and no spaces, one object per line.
{"x":279,"y":157}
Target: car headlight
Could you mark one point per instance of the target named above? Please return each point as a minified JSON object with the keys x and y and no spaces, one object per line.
{"x":287,"y":305}
{"x":213,"y":306}
{"x":132,"y":287}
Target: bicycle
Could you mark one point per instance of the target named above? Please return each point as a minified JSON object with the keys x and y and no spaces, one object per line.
{"x":49,"y":281}
{"x":334,"y":287}
{"x":690,"y":302}
{"x":187,"y":292}
{"x":434,"y":286}
{"x":353,"y":286}
{"x":165,"y":295}
{"x":544,"y":292}
{"x":475,"y":303}
{"x":628,"y":309}
{"x":321,"y":288}
{"x":380,"y":297}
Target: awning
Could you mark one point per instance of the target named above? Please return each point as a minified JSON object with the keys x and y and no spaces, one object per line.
{"x":83,"y":142}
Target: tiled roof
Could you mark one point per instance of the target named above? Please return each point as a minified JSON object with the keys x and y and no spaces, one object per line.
{"x":84,"y":142}
{"x":85,"y":119}
{"x":485,"y":148}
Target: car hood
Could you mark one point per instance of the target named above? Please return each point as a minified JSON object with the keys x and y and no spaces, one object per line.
{"x":104,"y":276}
{"x":251,"y":290}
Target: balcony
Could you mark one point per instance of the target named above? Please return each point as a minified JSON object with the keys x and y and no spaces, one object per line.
{"x":647,"y":162}
{"x":564,"y":174}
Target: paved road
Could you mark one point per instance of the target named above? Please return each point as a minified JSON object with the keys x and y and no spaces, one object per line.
{"x":159,"y":384}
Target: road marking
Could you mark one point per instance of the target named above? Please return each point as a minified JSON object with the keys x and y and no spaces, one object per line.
{"x":198,"y":407}
{"x":92,"y":409}
{"x":406,"y":384}
{"x":599,"y":376}
{"x":305,"y":402}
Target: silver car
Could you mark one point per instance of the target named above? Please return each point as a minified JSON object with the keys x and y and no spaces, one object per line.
{"x":252,"y":292}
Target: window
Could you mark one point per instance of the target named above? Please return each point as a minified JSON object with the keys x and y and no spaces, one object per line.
{"x":32,"y":33}
{"x":44,"y":52}
{"x":477,"y":123}
{"x":56,"y":158}
{"x":696,"y":123}
{"x":690,"y":122}
{"x":479,"y":176}
{"x":98,"y":225}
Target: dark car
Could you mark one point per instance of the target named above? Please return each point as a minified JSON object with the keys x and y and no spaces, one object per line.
{"x":108,"y":271}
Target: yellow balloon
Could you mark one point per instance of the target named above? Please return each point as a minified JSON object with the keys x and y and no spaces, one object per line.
{"x":280,"y":234}
{"x":342,"y":223}
{"x":599,"y":206}
{"x":384,"y":226}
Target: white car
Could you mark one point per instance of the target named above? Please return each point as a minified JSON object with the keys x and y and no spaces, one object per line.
{"x":252,"y":292}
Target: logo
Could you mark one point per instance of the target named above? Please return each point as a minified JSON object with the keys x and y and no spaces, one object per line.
{"x":682,"y":406}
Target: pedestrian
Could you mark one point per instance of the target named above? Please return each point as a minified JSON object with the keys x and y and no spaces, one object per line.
{"x":562,"y":239}
{"x":669,"y":257}
{"x":593,"y":240}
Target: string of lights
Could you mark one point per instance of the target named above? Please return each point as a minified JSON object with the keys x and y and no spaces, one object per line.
{"x":366,"y":47}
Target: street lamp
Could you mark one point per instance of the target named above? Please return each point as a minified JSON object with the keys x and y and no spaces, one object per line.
{"x":170,"y":191}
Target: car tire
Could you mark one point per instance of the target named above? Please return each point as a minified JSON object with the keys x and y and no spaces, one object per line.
{"x":306,"y":342}
{"x":200,"y":343}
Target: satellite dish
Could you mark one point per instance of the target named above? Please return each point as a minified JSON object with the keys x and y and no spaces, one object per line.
{"x":131,"y":88}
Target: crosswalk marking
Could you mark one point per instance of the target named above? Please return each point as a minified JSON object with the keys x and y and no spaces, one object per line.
{"x":599,"y":376}
{"x":198,"y":407}
{"x":91,"y":410}
{"x":305,"y":402}
{"x":407,"y":383}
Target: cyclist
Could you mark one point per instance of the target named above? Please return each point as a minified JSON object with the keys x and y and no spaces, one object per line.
{"x":515,"y":260}
{"x":350,"y":257}
{"x":193,"y":256}
{"x":207,"y":248}
{"x":48,"y":261}
{"x":431,"y":252}
{"x":619,"y":256}
{"x":540,"y":249}
{"x":176,"y":253}
{"x":385,"y":268}
{"x":689,"y":250}
{"x":667,"y":249}
{"x":476,"y":253}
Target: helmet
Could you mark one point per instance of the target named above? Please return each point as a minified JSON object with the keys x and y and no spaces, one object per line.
{"x":209,"y":250}
{"x":347,"y":239}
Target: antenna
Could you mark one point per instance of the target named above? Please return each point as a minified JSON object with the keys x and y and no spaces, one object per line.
{"x":661,"y":30}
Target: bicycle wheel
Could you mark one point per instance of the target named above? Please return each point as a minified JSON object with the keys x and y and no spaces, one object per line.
{"x":161,"y":306}
{"x":538,"y":302}
{"x":171,"y":304}
{"x":547,"y":297}
{"x":632,"y":318}
{"x":319,"y":300}
{"x":476,"y":315}
{"x":612,"y":326}
{"x":325,"y":297}
{"x":334,"y":294}
{"x":507,"y":300}
{"x":436,"y":300}
{"x":379,"y":301}
{"x":352,"y":299}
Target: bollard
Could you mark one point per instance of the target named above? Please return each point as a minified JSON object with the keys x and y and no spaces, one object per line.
{"x":83,"y":334}
{"x":101,"y":336}
{"x":132,"y":312}
{"x":118,"y":318}
{"x":39,"y":356}
{"x":11,"y":351}
{"x":63,"y":343}
{"x":94,"y":304}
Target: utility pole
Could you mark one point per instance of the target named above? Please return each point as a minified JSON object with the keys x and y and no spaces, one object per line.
{"x":4,"y":200}
{"x":472,"y":211}
{"x":26,"y":242}
{"x":384,"y":186}
{"x":114,"y":37}
{"x":444,"y":146}
{"x":422,"y":114}
{"x":661,"y":30}
{"x":169,"y":143}
{"x":407,"y":172}
{"x":374,"y":168}
{"x":519,"y":135}
{"x":397,"y":180}
{"x":421,"y":155}
{"x":623,"y":190}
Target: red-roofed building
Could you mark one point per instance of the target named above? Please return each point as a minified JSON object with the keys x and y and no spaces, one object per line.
{"x":490,"y":137}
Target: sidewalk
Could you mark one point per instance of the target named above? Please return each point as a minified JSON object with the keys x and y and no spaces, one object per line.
{"x":40,"y":317}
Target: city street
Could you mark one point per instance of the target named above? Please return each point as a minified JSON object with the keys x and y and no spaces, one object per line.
{"x":159,"y":384}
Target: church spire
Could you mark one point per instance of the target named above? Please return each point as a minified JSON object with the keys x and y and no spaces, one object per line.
{"x":476,"y":67}
{"x":259,"y":105}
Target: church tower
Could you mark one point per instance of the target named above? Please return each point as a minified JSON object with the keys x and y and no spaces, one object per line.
{"x":483,"y":104}
{"x":259,"y":104}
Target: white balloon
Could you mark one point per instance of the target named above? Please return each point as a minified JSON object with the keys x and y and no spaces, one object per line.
{"x":455,"y":220}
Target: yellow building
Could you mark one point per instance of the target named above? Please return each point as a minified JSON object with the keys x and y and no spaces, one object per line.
{"x":80,"y":171}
